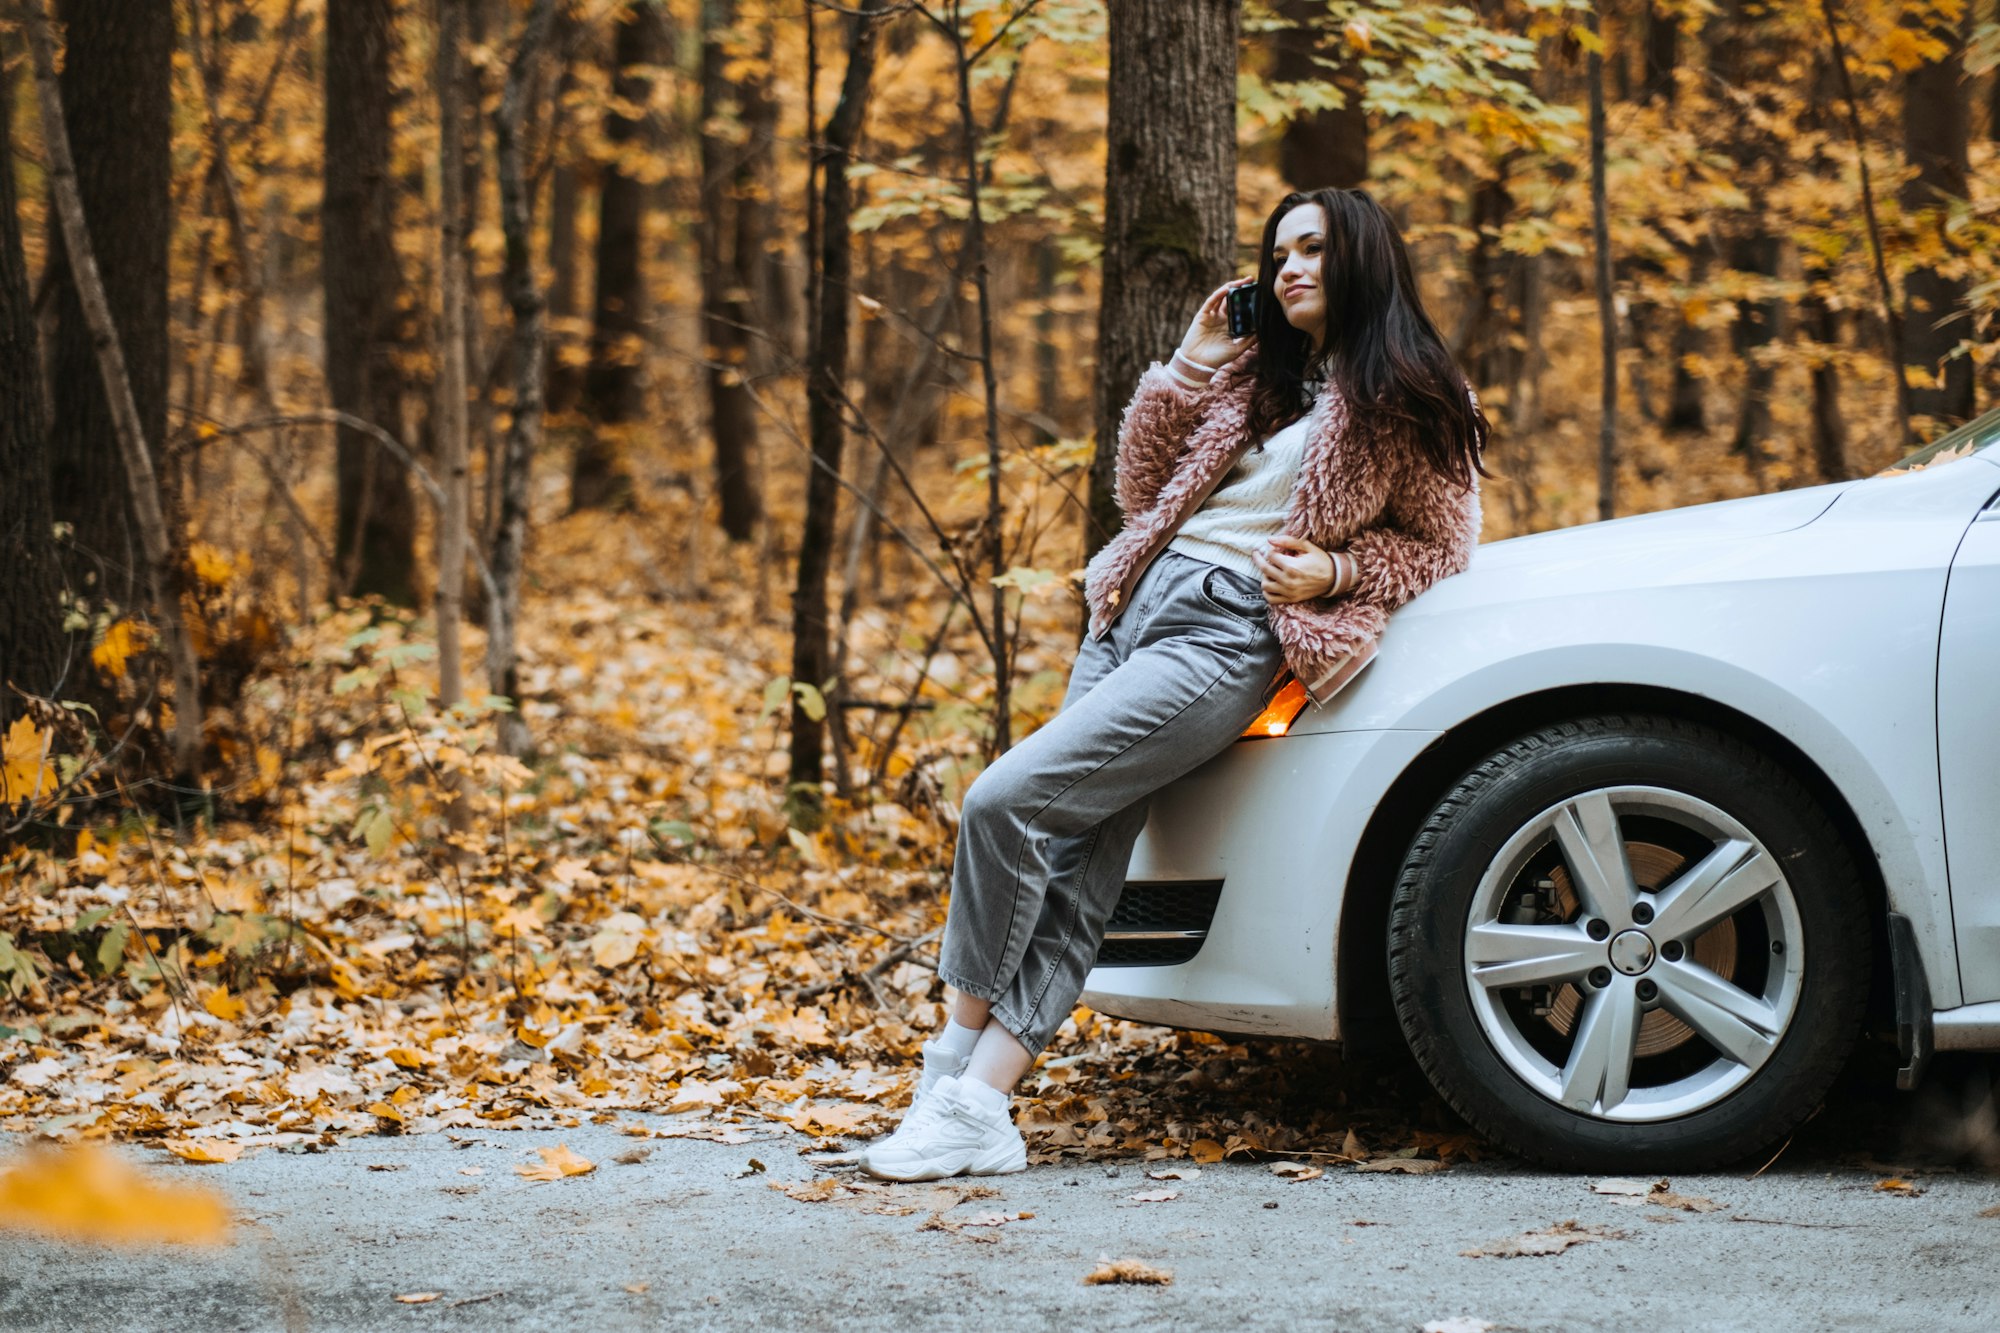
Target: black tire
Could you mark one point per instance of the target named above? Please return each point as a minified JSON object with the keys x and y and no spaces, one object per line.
{"x":1502,"y":795}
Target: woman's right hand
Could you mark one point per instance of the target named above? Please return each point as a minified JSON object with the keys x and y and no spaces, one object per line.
{"x":1208,"y":342}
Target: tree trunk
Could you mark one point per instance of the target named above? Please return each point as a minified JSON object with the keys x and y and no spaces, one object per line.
{"x":1741,"y":56}
{"x":452,"y":442}
{"x":1169,"y":201}
{"x":1663,"y":31}
{"x":564,"y":379}
{"x":1607,"y":322}
{"x":116,"y":87}
{"x":31,"y":637}
{"x":1936,"y":127}
{"x":162,"y":563}
{"x":612,"y":389}
{"x":826,"y":391}
{"x":375,"y":524}
{"x":529,"y":310}
{"x":728,"y":268}
{"x":1319,"y":148}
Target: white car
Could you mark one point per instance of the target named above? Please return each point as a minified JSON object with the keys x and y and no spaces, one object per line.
{"x":1630,"y":827}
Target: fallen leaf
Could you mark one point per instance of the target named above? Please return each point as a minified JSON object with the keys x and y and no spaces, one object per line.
{"x":1296,"y":1171}
{"x":1154,"y":1196}
{"x":419,"y":1297}
{"x":1351,"y":1147}
{"x":993,"y":1219}
{"x":1687,"y":1203}
{"x":88,"y":1194}
{"x":1402,"y":1166}
{"x":1549,"y":1240}
{"x":1127,"y":1271}
{"x":1994,"y":1211}
{"x":557,"y":1162}
{"x":1458,"y":1323}
{"x":1621,"y":1186}
{"x":638,"y":1288}
{"x":204,"y":1150}
{"x":1175,"y":1173}
{"x":1899,"y":1186}
{"x":633,"y":1156}
{"x":810,"y":1191}
{"x":472,"y":1170}
{"x":388,"y":1166}
{"x":1205,"y":1151}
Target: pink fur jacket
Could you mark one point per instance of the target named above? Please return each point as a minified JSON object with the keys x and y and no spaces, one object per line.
{"x":1407,"y":525}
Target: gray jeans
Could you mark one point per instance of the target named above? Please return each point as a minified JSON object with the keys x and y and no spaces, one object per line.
{"x":1046,"y":832}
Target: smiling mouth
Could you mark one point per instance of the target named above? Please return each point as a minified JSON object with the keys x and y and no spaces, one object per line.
{"x":1297,"y":288}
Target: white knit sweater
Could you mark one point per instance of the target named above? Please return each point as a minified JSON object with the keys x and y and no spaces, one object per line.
{"x":1248,"y":508}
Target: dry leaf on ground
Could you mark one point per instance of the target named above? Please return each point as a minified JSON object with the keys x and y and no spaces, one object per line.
{"x":204,"y":1150}
{"x":1176,"y":1173}
{"x":1402,"y":1166}
{"x":1897,"y":1185}
{"x":1616,"y":1185}
{"x":1130,"y":1271}
{"x":1994,"y":1211}
{"x":633,"y":1156}
{"x":1458,"y":1323}
{"x":1549,"y":1240}
{"x":1206,"y":1151}
{"x":1154,"y":1196}
{"x":557,"y":1162}
{"x":88,"y":1194}
{"x":809,"y":1191}
{"x":419,"y":1297}
{"x":1296,"y":1171}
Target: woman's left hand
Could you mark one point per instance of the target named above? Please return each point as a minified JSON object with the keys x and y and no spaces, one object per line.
{"x":1294,"y":570}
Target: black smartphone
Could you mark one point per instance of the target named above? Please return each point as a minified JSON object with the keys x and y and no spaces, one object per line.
{"x":1242,"y":303}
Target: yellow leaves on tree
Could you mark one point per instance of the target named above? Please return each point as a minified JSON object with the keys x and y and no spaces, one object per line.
{"x":122,"y":639}
{"x":26,"y":769}
{"x":87,"y":1194}
{"x":557,"y":1162}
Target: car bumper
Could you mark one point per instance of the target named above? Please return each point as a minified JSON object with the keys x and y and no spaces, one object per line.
{"x":1276,"y":822}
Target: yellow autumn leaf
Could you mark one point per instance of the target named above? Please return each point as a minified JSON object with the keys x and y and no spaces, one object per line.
{"x":557,"y":1162}
{"x":222,"y":1004}
{"x":205,"y":1151}
{"x":87,"y":1194}
{"x":211,"y":566}
{"x":617,"y":941}
{"x":120,"y":641}
{"x":26,"y":770}
{"x":405,"y":1057}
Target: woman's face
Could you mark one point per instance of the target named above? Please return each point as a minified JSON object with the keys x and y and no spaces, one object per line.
{"x":1296,"y":250}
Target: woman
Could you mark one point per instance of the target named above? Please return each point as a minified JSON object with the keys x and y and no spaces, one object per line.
{"x":1281,"y":500}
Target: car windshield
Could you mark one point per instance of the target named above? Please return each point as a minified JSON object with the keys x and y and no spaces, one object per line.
{"x":1967,"y":439}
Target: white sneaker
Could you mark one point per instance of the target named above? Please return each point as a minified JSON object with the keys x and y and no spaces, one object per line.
{"x":951,"y":1134}
{"x":939,"y":1063}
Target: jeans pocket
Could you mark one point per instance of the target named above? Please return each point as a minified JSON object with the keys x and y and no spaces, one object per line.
{"x":1232,"y":593}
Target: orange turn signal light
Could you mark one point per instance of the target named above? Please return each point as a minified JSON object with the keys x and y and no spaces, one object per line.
{"x":1278,"y":715}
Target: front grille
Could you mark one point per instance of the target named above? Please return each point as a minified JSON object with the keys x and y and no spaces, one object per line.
{"x":1158,"y":924}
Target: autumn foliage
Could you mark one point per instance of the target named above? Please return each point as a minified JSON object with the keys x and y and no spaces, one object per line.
{"x":370,"y":909}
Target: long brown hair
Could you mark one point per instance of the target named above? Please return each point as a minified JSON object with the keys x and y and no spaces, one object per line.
{"x":1380,"y":349}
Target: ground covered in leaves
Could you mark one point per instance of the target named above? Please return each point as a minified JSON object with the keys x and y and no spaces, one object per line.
{"x":391,"y":928}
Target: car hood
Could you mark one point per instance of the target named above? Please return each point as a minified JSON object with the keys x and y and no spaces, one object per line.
{"x":1583,"y":553}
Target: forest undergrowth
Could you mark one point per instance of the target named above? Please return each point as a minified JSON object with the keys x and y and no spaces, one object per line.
{"x":382,"y":925}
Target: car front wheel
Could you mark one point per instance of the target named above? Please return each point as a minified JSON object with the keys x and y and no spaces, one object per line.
{"x":1630,"y":943}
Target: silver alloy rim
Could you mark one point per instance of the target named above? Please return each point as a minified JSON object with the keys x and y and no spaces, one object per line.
{"x":1629,"y":952}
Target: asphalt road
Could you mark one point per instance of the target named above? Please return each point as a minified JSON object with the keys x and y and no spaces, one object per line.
{"x":683,"y":1240}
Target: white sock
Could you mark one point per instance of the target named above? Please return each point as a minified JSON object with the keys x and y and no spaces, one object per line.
{"x":985,"y":1096}
{"x":959,"y":1040}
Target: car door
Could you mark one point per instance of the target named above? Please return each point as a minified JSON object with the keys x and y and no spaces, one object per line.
{"x":1968,"y":713}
